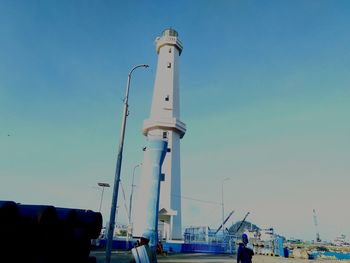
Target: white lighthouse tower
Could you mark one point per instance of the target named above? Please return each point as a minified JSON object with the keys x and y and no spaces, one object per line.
{"x":165,"y":121}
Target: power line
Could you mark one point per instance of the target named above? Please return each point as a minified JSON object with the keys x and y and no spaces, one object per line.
{"x":198,"y":200}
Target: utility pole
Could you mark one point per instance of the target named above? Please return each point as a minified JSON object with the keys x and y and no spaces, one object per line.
{"x":318,"y":239}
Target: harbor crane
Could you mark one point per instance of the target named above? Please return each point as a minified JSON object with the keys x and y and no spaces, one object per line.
{"x":227,"y":218}
{"x":245,"y":217}
{"x":318,"y":239}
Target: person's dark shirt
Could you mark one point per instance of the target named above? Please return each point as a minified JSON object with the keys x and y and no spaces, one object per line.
{"x":244,"y":254}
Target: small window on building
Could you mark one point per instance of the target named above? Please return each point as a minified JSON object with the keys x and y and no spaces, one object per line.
{"x":168,"y":150}
{"x":170,"y":50}
{"x":165,"y":135}
{"x":169,"y":65}
{"x":167,"y":98}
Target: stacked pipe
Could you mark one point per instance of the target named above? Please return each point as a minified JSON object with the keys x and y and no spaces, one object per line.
{"x":46,"y":234}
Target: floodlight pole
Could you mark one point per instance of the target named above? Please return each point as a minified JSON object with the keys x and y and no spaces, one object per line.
{"x":223,"y":209}
{"x":103,"y":185}
{"x":132,"y":191}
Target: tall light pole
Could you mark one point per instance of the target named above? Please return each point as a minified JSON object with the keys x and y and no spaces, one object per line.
{"x":118,"y":168}
{"x":132,"y":190}
{"x":103,"y":185}
{"x":223,"y":208}
{"x":130,"y":205}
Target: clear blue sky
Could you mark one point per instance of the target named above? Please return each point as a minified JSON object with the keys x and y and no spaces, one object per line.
{"x":265,"y":92}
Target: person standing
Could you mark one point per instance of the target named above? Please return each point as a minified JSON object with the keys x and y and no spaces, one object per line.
{"x":244,"y":253}
{"x":143,"y":253}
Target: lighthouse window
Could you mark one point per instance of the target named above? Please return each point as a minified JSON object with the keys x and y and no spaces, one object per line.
{"x":167,"y":98}
{"x":169,"y":50}
{"x":165,"y":135}
{"x":169,"y":65}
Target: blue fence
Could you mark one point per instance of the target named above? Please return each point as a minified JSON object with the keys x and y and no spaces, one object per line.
{"x":117,"y":244}
{"x":193,"y":247}
{"x":171,"y":247}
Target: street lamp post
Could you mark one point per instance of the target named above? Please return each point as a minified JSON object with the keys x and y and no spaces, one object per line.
{"x":223,"y":209}
{"x":103,"y":185}
{"x":118,"y":168}
{"x":130,"y":205}
{"x":132,"y":190}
